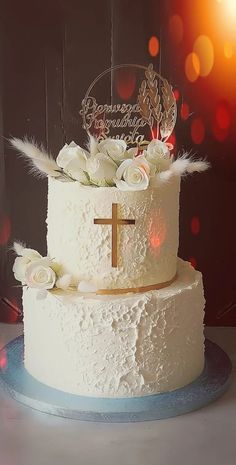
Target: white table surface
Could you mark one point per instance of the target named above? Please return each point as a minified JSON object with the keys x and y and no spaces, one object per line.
{"x":207,"y":436}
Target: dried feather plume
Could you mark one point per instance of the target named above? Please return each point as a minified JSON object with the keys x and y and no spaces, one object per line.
{"x":42,"y":164}
{"x":183,"y":165}
{"x":92,"y":145}
{"x":18,"y":248}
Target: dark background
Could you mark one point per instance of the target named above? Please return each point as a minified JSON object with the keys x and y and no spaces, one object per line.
{"x":49,"y":54}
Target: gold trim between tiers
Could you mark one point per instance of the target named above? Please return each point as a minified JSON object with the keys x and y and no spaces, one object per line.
{"x":136,"y":290}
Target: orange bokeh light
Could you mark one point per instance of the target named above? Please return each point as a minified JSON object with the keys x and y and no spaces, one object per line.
{"x":212,"y":21}
{"x":204,"y":50}
{"x":228,"y":50}
{"x":153,"y":46}
{"x":197,"y":131}
{"x":192,"y":67}
{"x":176,"y":29}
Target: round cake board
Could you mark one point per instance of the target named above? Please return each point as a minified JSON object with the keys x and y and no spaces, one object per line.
{"x":210,"y":385}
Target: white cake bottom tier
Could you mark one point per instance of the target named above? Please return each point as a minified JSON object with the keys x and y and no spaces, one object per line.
{"x":117,"y":346}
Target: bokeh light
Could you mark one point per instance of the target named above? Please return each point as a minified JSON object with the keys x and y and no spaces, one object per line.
{"x":176,"y":93}
{"x":153,"y":46}
{"x":125,"y":83}
{"x":197,"y":131}
{"x":219,"y":133}
{"x":192,"y":67}
{"x":193,"y":262}
{"x":230,"y":7}
{"x":223,"y":116}
{"x":3,"y":358}
{"x":203,"y":48}
{"x":195,"y":225}
{"x":184,"y":111}
{"x":5,"y":230}
{"x":228,"y":50}
{"x":176,"y":29}
{"x":157,"y":233}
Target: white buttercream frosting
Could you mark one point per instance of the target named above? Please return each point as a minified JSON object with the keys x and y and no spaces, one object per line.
{"x":115,"y":346}
{"x":147,"y":250}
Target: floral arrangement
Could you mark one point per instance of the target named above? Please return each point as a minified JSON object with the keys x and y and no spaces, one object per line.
{"x":110,"y":163}
{"x":43,"y":273}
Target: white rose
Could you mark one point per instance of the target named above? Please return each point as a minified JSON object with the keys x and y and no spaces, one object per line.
{"x":19,"y":268}
{"x":115,"y":148}
{"x":101,"y":169}
{"x":40,"y":275}
{"x":72,"y":159}
{"x":21,"y":263}
{"x":133,"y":175}
{"x":31,"y":254}
{"x":158,"y":154}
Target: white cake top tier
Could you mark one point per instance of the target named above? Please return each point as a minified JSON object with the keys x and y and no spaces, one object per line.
{"x":115,"y":239}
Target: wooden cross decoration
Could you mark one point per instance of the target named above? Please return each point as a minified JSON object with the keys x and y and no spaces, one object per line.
{"x":114,"y":222}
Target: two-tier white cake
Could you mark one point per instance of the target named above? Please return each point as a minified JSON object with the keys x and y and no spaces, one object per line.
{"x":112,"y":311}
{"x":121,"y":344}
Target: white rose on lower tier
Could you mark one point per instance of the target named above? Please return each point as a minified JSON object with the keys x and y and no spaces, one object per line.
{"x":115,"y":148}
{"x":133,"y":175}
{"x":158,"y":155}
{"x":72,"y":159}
{"x":40,"y":275}
{"x":101,"y":169}
{"x":21,"y":263}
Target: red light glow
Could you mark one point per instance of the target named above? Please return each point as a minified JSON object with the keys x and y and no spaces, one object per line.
{"x":157,"y":233}
{"x":125,"y":83}
{"x":5,"y":230}
{"x":193,"y":262}
{"x":223,"y":116}
{"x":176,"y":94}
{"x":3,"y":359}
{"x":153,"y":46}
{"x":195,"y":225}
{"x":219,"y":133}
{"x":197,"y":131}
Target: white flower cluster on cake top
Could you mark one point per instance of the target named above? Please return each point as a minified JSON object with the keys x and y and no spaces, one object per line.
{"x":110,"y":163}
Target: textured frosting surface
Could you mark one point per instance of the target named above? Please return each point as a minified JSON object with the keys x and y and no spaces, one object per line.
{"x":147,"y":251}
{"x":117,"y":346}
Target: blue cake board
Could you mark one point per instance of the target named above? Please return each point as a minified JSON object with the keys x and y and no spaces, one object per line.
{"x":210,"y":385}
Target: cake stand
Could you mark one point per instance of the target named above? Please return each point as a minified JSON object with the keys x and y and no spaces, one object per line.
{"x":210,"y":385}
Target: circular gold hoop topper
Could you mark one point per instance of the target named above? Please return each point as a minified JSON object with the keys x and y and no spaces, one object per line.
{"x":140,"y":105}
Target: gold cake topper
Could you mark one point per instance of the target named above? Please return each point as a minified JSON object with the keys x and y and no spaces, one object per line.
{"x":150,"y":113}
